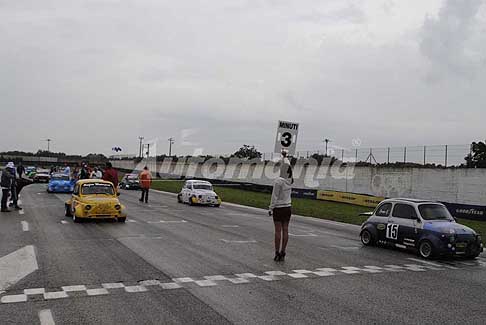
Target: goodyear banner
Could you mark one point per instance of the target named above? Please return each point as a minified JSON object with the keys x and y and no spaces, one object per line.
{"x":351,"y":198}
{"x":465,"y":211}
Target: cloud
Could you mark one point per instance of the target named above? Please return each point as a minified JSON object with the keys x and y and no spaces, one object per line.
{"x":448,"y":40}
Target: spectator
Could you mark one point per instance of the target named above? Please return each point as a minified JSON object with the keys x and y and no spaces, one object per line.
{"x":145,"y":182}
{"x":98,"y":173}
{"x":6,"y":184}
{"x":67,"y":170}
{"x":13,"y":187}
{"x":110,"y":174}
{"x":20,"y":170}
{"x":84,"y":173}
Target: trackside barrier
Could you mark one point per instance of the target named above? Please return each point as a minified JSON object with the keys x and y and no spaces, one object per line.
{"x":350,"y":198}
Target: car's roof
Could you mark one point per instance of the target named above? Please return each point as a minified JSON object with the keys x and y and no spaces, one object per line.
{"x":90,"y":181}
{"x":59,"y":174}
{"x":198,"y":181}
{"x":408,"y":200}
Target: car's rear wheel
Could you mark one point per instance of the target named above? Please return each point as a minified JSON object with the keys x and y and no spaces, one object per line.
{"x":217,"y":205}
{"x":426,"y":249}
{"x":179,"y":198}
{"x":67,"y":209}
{"x":367,"y":238}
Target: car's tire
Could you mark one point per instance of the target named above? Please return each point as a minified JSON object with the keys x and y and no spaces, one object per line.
{"x":217,"y":205}
{"x":367,"y":238}
{"x":426,"y":249}
{"x":179,"y":199}
{"x":123,"y":219}
{"x":67,"y":210}
{"x":190,"y":200}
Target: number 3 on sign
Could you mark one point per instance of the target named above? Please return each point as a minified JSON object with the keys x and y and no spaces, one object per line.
{"x":392,"y":231}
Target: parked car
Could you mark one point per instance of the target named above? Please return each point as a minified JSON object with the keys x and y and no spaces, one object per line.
{"x":425,"y":226}
{"x":60,"y":183}
{"x":94,"y":199}
{"x":198,"y":192}
{"x":130,"y":182}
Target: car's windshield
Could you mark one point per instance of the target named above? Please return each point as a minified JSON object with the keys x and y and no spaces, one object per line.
{"x":434,"y":212}
{"x":97,"y":188}
{"x":132,"y":177}
{"x":202,"y":187}
{"x":60,"y":178}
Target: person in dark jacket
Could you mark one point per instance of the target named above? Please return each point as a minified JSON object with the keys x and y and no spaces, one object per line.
{"x":20,"y":170}
{"x":14,"y":195}
{"x":110,"y":174}
{"x":6,"y":184}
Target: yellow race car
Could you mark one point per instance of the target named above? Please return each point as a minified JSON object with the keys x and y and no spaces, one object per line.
{"x":94,"y":199}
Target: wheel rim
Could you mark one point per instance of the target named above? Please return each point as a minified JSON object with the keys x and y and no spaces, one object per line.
{"x":425,"y":249}
{"x":366,"y":237}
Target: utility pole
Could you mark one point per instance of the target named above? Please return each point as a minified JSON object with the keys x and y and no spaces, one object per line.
{"x":140,"y":150}
{"x":326,"y":141}
{"x":171,"y":142}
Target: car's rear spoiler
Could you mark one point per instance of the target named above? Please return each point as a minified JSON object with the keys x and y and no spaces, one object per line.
{"x":366,"y":214}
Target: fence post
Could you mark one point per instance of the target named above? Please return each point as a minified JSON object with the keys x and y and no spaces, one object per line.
{"x":404,"y":155}
{"x":356,"y":158}
{"x":425,"y":153}
{"x":446,"y":154}
{"x":342,"y":155}
{"x":388,"y":159}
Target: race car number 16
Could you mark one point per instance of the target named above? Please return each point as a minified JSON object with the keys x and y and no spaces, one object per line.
{"x":391,"y":231}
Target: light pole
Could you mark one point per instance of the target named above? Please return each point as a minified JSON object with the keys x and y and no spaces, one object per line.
{"x":171,"y":142}
{"x":48,"y":144}
{"x":140,"y":148}
{"x":326,"y":141}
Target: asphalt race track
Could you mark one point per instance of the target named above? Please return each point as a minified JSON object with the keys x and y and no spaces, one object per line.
{"x":173,"y":263}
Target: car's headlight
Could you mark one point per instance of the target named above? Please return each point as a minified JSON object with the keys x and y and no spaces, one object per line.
{"x":479,"y":238}
{"x":117,"y":206}
{"x":200,"y":196}
{"x":87,"y":207}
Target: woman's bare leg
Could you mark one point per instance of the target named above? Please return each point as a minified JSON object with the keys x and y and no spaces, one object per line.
{"x":285,"y":236}
{"x":278,"y":235}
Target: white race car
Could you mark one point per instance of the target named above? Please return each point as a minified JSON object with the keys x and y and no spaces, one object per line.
{"x":198,"y":192}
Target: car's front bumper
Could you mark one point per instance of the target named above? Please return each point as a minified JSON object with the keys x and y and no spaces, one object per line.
{"x":461,"y":247}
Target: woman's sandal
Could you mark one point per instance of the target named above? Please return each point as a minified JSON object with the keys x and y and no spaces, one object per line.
{"x":281,"y":257}
{"x":277,"y":257}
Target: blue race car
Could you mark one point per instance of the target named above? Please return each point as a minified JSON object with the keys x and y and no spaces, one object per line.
{"x":60,"y":183}
{"x":425,"y":226}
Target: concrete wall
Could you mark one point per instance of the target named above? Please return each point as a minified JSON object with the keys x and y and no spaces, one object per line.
{"x":465,"y":186}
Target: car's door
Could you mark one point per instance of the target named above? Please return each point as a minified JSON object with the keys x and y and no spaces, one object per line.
{"x":380,"y":219}
{"x":185,"y":190}
{"x":401,"y":229}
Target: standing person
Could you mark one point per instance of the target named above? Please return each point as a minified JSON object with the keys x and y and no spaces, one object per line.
{"x":110,"y":174}
{"x":13,"y":187}
{"x":20,"y":170}
{"x":281,"y":209}
{"x":6,"y":184}
{"x":145,"y":182}
{"x":67,"y":170}
{"x":98,"y":173}
{"x":83,"y":173}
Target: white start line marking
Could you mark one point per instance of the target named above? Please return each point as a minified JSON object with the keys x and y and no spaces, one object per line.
{"x":25,"y":225}
{"x":72,"y":291}
{"x":230,"y":226}
{"x":45,"y":317}
{"x":239,"y":241}
{"x":21,"y":212}
{"x":64,"y":222}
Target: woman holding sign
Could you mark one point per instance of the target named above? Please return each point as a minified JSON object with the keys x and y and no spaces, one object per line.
{"x":281,"y":207}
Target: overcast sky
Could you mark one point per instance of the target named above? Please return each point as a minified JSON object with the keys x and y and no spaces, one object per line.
{"x":218,"y":74}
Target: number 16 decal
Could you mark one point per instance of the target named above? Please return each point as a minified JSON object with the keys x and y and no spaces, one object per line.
{"x":392,"y":231}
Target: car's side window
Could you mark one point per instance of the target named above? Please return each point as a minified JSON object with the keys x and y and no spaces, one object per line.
{"x":76,"y":190}
{"x":384,"y":210}
{"x":404,"y":211}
